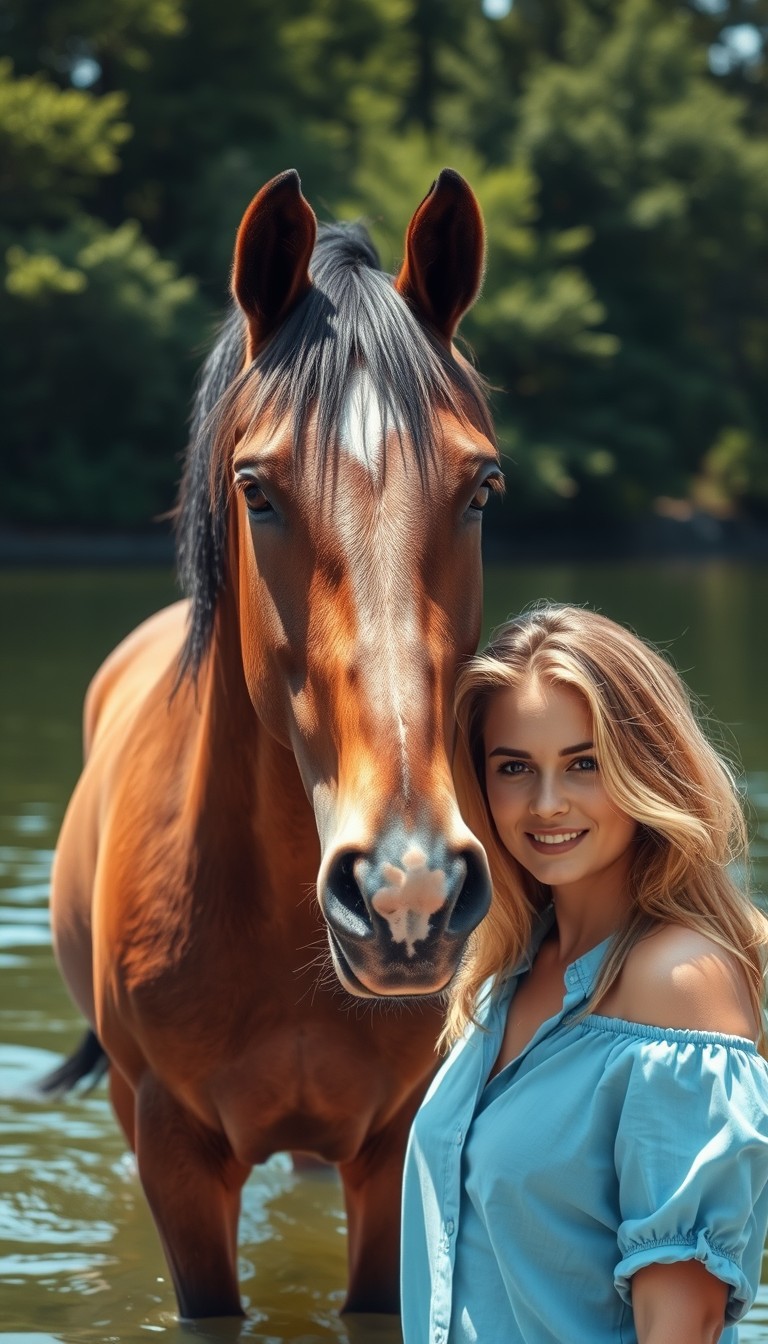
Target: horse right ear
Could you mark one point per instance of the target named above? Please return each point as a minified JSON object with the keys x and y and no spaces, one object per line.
{"x":444,"y":255}
{"x":274,"y":245}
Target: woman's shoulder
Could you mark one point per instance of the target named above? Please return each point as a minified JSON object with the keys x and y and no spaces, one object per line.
{"x":679,"y":978}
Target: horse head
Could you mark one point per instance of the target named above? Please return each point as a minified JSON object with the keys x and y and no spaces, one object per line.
{"x":350,"y":455}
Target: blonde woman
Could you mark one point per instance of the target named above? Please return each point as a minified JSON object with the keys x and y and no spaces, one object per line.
{"x":591,"y":1162}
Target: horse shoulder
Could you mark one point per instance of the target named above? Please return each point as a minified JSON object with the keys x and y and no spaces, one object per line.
{"x":131,"y":669}
{"x":111,"y":719}
{"x":682,"y":979}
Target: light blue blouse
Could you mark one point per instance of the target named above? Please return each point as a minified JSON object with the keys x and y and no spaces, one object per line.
{"x":530,"y":1201}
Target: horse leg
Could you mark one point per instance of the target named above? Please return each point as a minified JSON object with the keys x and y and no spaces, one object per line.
{"x":372,"y":1184}
{"x":123,"y":1100}
{"x":192,"y":1183}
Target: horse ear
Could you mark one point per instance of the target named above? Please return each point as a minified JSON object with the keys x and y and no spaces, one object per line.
{"x":274,"y":245}
{"x":444,"y":254}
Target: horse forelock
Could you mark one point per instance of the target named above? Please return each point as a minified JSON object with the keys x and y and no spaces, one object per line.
{"x":351,"y":320}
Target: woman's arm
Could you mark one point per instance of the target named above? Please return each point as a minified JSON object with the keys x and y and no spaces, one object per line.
{"x":678,"y":1304}
{"x":679,"y":978}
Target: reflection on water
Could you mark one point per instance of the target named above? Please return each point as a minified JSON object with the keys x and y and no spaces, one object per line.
{"x":79,"y":1257}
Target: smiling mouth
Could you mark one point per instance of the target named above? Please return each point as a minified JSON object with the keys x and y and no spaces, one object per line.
{"x":549,"y":843}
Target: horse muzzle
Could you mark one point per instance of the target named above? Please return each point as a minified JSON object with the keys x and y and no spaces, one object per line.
{"x":399,"y":914}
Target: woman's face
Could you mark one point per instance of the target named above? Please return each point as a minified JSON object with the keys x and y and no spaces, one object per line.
{"x":546,"y":793}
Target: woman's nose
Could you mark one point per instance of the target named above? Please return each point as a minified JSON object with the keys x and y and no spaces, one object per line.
{"x":549,"y":799}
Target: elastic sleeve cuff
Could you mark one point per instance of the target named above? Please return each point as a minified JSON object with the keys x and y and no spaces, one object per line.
{"x":672,"y":1250}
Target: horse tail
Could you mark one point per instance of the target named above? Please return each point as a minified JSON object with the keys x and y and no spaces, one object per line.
{"x":90,"y":1060}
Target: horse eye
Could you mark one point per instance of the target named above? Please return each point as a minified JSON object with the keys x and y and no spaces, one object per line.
{"x":491,"y":485}
{"x":481,"y":498}
{"x":255,"y":499}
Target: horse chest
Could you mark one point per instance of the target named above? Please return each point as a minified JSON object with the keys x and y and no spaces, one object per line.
{"x":299,"y":1090}
{"x":262,"y":1043}
{"x":291,"y":1084}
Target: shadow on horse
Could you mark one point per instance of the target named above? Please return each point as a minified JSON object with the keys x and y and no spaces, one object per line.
{"x":266,"y":824}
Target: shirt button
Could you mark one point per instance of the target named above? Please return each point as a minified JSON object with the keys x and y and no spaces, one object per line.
{"x":459,"y":1137}
{"x":449,"y":1227}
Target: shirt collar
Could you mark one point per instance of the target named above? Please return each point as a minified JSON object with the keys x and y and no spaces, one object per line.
{"x":585,"y":970}
{"x":579,"y":974}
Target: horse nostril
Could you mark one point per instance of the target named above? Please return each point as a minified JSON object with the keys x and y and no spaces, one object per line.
{"x":344,"y":905}
{"x":474,"y":898}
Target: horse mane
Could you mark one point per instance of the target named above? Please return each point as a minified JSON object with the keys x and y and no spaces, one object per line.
{"x":351,"y":318}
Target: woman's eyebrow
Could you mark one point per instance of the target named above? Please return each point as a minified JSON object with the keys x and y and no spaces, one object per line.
{"x":526,"y":755}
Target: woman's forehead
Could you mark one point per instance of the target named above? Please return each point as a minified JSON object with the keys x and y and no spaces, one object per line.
{"x":539,"y":709}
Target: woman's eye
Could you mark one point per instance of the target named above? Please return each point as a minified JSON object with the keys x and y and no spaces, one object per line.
{"x":584,"y":765}
{"x":255,"y":499}
{"x":513,"y":768}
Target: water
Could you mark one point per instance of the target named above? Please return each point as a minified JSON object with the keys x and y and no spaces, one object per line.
{"x":79,"y":1258}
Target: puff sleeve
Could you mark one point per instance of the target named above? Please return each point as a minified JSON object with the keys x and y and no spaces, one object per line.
{"x":691,"y":1158}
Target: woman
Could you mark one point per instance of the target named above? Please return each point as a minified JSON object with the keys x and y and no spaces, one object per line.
{"x":591,"y":1162}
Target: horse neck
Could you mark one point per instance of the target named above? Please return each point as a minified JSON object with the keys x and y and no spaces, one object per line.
{"x":244,"y":778}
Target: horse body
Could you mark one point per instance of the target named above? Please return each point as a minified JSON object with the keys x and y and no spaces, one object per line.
{"x":308,"y":746}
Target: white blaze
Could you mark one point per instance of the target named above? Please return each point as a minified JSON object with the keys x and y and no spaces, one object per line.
{"x":377,"y":578}
{"x":363,"y":424}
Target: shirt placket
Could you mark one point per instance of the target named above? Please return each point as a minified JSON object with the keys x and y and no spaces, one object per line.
{"x":442,"y":1295}
{"x":577,"y":985}
{"x":442,"y":1299}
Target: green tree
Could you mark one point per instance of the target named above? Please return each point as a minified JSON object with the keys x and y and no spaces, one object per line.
{"x":629,"y":137}
{"x":94,"y":326}
{"x":622,"y":178}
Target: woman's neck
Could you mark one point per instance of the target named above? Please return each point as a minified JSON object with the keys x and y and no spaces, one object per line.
{"x":584,"y":918}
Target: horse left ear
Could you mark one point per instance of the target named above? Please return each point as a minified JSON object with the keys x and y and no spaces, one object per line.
{"x":444,"y":254}
{"x":274,"y":245}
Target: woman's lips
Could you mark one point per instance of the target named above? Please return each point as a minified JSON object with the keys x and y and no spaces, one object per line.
{"x":554,"y":842}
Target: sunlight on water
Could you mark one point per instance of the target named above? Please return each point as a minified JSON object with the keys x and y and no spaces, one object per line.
{"x":80,"y":1262}
{"x":78,"y":1253}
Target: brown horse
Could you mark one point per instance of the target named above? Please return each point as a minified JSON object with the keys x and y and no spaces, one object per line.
{"x":287,"y":730}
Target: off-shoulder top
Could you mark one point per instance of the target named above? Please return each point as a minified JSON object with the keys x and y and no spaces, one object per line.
{"x":530,"y":1201}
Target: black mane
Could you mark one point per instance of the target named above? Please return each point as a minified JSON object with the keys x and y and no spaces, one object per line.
{"x":351,"y":318}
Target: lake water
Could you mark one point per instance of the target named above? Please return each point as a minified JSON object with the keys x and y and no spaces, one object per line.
{"x":79,"y":1257}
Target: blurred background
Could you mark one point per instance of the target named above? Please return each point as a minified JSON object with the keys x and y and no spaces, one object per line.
{"x":620,"y":153}
{"x":619,"y":149}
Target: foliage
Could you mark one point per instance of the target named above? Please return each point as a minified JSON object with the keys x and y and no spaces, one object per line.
{"x":631,"y":137}
{"x":59,"y":36}
{"x":733,"y":471}
{"x":93,"y":436}
{"x":620,"y":157}
{"x":53,"y":142}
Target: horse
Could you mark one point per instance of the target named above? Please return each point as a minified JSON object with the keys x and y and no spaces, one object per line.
{"x":267,"y":763}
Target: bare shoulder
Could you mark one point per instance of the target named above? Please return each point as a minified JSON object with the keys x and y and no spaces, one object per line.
{"x":679,"y":978}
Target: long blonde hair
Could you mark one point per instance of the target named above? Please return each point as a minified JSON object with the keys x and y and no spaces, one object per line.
{"x":658,"y":767}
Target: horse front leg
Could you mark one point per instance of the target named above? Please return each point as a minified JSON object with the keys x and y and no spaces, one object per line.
{"x":123,"y":1100}
{"x":372,"y":1183}
{"x":193,"y":1184}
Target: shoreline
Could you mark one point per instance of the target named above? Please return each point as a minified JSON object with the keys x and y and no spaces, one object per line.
{"x":698,"y":537}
